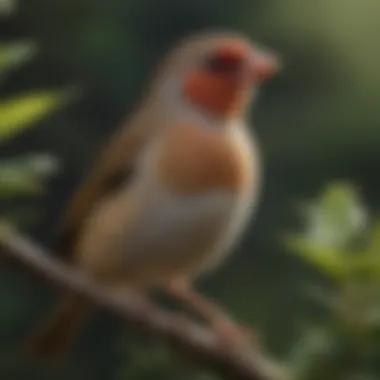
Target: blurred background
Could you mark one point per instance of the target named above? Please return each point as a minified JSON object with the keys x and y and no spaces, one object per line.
{"x":69,"y":72}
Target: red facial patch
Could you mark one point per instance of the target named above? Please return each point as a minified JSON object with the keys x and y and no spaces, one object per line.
{"x":214,"y":86}
{"x":221,"y":82}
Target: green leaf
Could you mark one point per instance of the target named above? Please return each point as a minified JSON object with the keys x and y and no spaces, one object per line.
{"x":367,"y":263}
{"x":24,"y":175}
{"x":13,"y":182}
{"x":374,"y":239}
{"x":15,"y":54}
{"x":329,"y":261}
{"x":19,"y":185}
{"x":337,"y":217}
{"x":20,"y":113}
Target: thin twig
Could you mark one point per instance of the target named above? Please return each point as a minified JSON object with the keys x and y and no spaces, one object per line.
{"x":192,"y":340}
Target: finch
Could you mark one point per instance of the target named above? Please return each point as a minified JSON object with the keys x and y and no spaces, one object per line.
{"x":173,"y":189}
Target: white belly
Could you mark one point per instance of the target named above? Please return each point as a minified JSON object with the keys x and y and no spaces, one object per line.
{"x":185,"y":234}
{"x":165,"y":236}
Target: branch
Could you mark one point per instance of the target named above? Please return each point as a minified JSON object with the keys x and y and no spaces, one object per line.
{"x":193,"y":341}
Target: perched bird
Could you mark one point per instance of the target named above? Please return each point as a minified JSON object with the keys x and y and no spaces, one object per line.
{"x":173,"y":189}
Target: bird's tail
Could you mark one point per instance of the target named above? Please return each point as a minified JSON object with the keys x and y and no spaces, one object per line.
{"x":52,"y":339}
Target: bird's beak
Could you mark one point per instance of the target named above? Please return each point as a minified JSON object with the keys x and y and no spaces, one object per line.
{"x":264,"y":66}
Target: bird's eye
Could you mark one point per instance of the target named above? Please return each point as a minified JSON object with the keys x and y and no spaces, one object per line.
{"x":220,"y":64}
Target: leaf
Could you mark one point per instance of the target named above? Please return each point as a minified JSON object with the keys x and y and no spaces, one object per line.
{"x":329,"y":261}
{"x":15,"y":54}
{"x":24,"y":175}
{"x":367,"y":263}
{"x":374,"y":239}
{"x":337,"y":217}
{"x":20,"y":113}
{"x":18,"y":184}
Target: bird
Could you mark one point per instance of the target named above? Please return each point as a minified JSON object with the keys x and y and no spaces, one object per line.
{"x":172,"y":191}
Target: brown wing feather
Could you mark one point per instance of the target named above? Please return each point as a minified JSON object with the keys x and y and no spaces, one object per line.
{"x":113,"y":166}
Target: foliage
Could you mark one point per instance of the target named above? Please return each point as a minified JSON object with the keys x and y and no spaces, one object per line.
{"x":340,"y":243}
{"x":21,"y":112}
{"x":23,"y":176}
{"x":15,"y":54}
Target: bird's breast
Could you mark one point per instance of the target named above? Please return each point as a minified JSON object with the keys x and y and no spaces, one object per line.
{"x":196,"y":190}
{"x":193,"y":160}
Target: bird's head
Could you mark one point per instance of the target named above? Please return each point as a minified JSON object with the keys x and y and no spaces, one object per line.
{"x":216,"y":73}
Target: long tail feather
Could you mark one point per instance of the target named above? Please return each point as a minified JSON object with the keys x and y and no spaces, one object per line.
{"x":52,"y":339}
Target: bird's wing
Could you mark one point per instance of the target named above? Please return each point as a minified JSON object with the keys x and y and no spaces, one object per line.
{"x":113,"y":166}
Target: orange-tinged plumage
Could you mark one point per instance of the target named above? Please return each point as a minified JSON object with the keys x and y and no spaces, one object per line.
{"x":173,"y":189}
{"x":196,"y":160}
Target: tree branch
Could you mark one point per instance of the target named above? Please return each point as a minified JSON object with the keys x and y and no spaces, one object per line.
{"x":192,"y":340}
